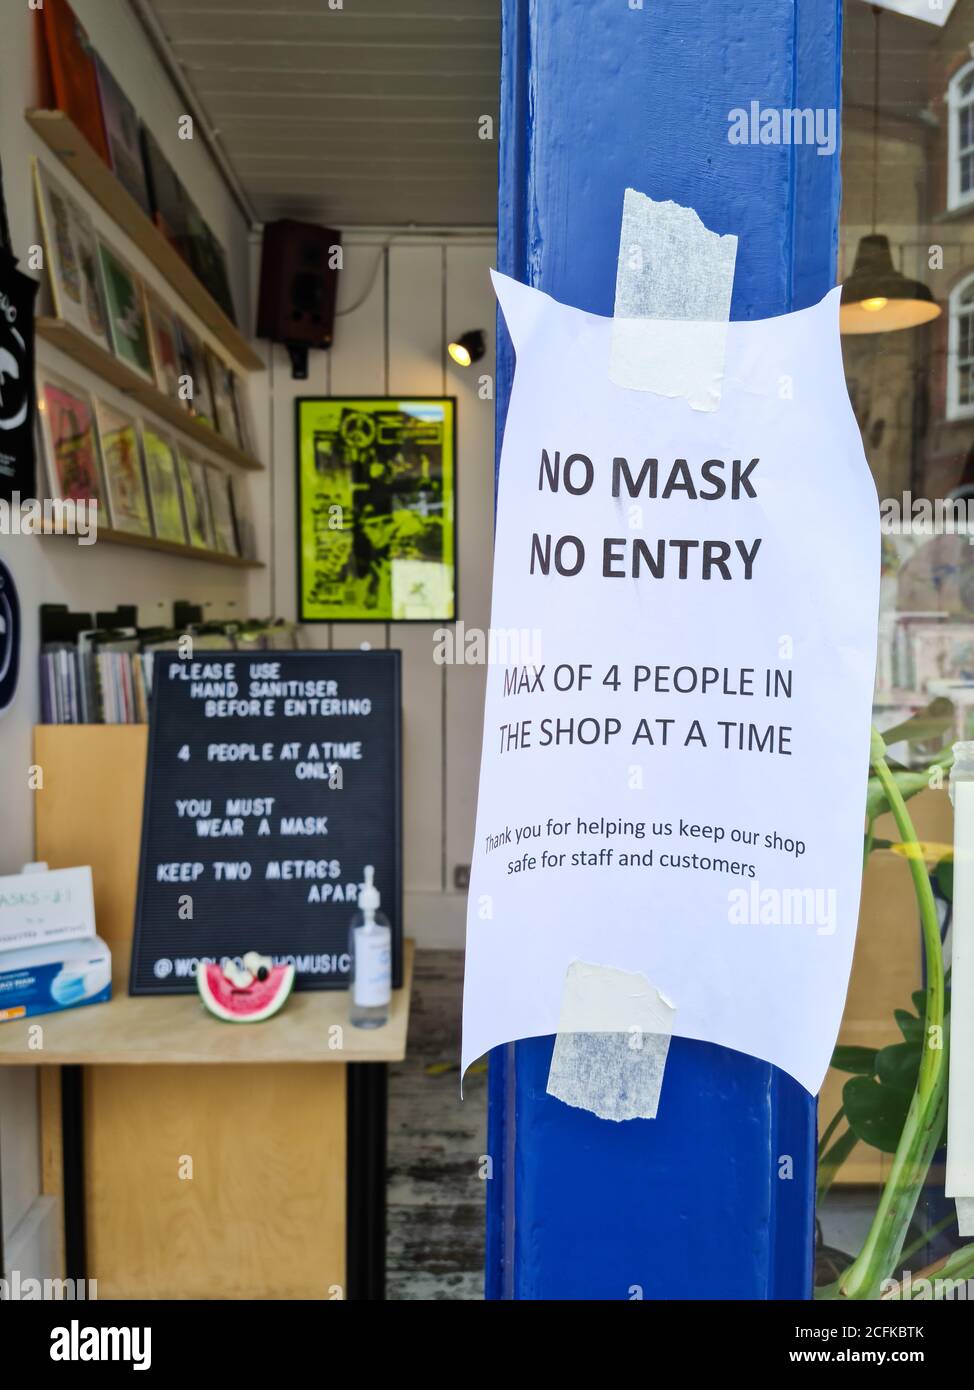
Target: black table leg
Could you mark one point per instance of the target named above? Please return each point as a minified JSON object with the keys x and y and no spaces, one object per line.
{"x":73,"y":1162}
{"x":366,"y":1178}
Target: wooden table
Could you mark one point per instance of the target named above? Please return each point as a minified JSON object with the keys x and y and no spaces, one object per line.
{"x":201,"y":1159}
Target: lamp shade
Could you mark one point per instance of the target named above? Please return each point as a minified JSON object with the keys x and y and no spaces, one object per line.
{"x":877,"y":298}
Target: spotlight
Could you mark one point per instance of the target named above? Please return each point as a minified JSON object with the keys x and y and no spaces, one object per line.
{"x":468,"y":348}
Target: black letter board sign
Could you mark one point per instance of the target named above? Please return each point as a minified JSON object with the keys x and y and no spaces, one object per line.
{"x":272,"y":779}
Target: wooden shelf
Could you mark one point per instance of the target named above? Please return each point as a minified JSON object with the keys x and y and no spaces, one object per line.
{"x":63,"y":139}
{"x":189,"y":552}
{"x":99,"y":360}
{"x":176,"y":1030}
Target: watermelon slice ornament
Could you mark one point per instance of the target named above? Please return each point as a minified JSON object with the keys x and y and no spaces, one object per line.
{"x":247,"y":995}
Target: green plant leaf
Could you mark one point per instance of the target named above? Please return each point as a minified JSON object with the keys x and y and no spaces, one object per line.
{"x":876,"y":1113}
{"x":933,"y":722}
{"x":876,"y":1107}
{"x":909,"y":1125}
{"x":944,"y":875}
{"x":909,"y":1025}
{"x":860,"y":1060}
{"x":909,"y":784}
{"x":897,"y":1065}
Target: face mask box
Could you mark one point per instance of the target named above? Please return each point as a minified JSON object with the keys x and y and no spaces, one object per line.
{"x":58,"y":975}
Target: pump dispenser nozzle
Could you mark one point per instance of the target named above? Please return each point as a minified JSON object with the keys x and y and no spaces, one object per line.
{"x":368,"y":897}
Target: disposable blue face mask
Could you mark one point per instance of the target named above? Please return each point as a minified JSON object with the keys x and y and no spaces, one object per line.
{"x":68,"y":986}
{"x":79,"y":981}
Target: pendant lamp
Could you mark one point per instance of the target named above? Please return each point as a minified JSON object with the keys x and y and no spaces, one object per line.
{"x":878,"y":298}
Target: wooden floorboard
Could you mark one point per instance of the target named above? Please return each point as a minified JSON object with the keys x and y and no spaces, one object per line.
{"x":436,"y":1196}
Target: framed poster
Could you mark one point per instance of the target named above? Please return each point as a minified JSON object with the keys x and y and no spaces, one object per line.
{"x":72,"y":258}
{"x":221,"y":389}
{"x":167,"y":196}
{"x":192,"y":363}
{"x":163,"y":480}
{"x":216,"y":276}
{"x":241,"y":411}
{"x":126,"y":313}
{"x":219,"y":486}
{"x":196,"y":503}
{"x":128,"y":505}
{"x":70,"y":443}
{"x":72,"y":67}
{"x":122,"y":134}
{"x":207,"y":259}
{"x":376,"y":500}
{"x":163,"y":343}
{"x":272,"y":844}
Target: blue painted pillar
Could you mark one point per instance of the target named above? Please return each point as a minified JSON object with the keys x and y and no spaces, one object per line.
{"x":597,"y":95}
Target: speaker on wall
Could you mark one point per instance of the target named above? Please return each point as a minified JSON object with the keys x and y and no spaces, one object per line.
{"x":298,"y":283}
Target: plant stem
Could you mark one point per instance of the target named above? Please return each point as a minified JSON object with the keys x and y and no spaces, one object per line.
{"x":831,"y":1162}
{"x":957,"y":1265}
{"x":867,"y":845}
{"x":830,"y":1129}
{"x":933,"y":1060}
{"x":924,"y":1122}
{"x":928,"y":1235}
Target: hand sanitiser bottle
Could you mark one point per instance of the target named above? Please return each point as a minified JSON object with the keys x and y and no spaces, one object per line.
{"x":370,"y":947}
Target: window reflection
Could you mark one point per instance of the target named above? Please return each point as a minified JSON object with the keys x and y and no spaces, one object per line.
{"x":907,"y":252}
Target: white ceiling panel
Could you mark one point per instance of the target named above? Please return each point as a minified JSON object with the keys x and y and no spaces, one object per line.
{"x":365,"y":115}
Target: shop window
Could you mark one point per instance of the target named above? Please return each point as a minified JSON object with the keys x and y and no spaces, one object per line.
{"x":960,"y":351}
{"x":960,"y":139}
{"x":907,"y":150}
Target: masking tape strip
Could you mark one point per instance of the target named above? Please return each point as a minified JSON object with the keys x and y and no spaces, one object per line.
{"x":614,"y":1034}
{"x":965,"y":1216}
{"x":674,"y":281}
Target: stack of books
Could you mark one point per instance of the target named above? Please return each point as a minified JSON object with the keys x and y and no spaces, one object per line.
{"x":99,"y":670}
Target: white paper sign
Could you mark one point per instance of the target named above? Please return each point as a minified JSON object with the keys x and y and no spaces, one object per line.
{"x":676,"y":734}
{"x":929,"y":11}
{"x":46,"y":905}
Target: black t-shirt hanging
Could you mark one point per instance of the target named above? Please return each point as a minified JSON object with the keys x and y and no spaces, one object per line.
{"x":17,"y":294}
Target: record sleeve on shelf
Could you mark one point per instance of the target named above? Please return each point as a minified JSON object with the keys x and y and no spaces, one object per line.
{"x":118,"y":434}
{"x":73,"y":76}
{"x":68,"y":433}
{"x":71,"y":258}
{"x":100,"y":672}
{"x":122,"y":136}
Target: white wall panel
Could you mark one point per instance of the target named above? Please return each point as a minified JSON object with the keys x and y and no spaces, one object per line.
{"x":358,"y":368}
{"x":415,"y":351}
{"x":407,"y":296}
{"x":469,"y":304}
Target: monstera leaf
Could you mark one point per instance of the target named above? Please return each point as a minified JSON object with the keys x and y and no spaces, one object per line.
{"x":944,"y":878}
{"x":860,"y":1060}
{"x":931,"y":723}
{"x":876,"y":1104}
{"x":909,"y":784}
{"x":876,"y":1114}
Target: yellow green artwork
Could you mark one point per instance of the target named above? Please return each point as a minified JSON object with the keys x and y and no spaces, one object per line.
{"x":376,"y":509}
